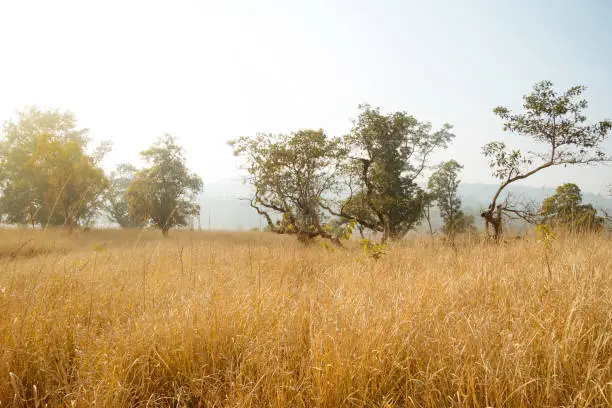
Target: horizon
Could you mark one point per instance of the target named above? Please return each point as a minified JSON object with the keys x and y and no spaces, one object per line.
{"x":227,"y":212}
{"x":207,"y":73}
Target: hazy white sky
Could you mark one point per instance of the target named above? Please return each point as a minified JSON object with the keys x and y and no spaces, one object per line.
{"x":208,"y":71}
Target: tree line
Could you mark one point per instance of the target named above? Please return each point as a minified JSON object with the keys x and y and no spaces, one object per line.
{"x":305,"y":183}
{"x":313,"y":182}
{"x":49,"y":178}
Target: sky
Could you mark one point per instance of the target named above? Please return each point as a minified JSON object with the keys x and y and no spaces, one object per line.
{"x":210,"y":71}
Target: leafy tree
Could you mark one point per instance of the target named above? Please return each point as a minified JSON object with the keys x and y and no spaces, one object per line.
{"x":165,"y":192}
{"x":388,"y":153}
{"x":465,"y":223}
{"x":553,"y":120}
{"x":355,"y":207}
{"x":46,"y":175}
{"x":443,"y":185}
{"x":292,"y":174}
{"x":565,"y":208}
{"x":116,"y":203}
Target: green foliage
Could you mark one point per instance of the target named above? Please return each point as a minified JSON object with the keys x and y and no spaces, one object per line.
{"x":555,"y":120}
{"x":164,"y":193}
{"x":505,"y":163}
{"x":565,"y":209}
{"x":47,"y":177}
{"x":545,"y":234}
{"x":356,"y":207}
{"x":388,"y":153}
{"x":292,"y":174}
{"x":443,"y":185}
{"x":558,"y":121}
{"x":116,"y":203}
{"x":372,"y":249}
{"x":464,"y":223}
{"x":349,"y":228}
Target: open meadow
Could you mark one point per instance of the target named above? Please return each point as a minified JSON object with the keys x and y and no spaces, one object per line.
{"x":124,"y":318}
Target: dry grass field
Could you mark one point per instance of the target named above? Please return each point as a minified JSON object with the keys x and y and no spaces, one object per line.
{"x":115,"y":318}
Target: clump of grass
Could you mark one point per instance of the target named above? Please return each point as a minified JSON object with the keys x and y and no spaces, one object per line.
{"x":251,"y":319}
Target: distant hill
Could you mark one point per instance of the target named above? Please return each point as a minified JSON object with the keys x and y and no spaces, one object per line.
{"x":222,"y":202}
{"x":477,"y":195}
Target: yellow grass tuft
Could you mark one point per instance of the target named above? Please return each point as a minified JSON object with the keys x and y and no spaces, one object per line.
{"x":115,"y":318}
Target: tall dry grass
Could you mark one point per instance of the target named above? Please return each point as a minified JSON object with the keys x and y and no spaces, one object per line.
{"x":116,"y":318}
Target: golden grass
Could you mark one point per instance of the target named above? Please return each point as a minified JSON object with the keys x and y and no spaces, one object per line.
{"x":248,"y":319}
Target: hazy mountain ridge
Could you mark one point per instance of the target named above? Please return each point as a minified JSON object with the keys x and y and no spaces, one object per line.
{"x":222,"y":202}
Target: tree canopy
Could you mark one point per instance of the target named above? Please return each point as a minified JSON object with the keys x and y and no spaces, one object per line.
{"x":46,"y":175}
{"x":387,"y":155}
{"x":293,"y":176}
{"x":165,"y":193}
{"x":565,"y":209}
{"x":116,"y":204}
{"x":443,"y":185}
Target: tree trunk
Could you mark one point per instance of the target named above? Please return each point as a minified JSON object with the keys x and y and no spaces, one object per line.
{"x":67,"y":220}
{"x":428,"y":218}
{"x":386,"y":235}
{"x":31,"y":216}
{"x":495,"y":219}
{"x":361,"y":231}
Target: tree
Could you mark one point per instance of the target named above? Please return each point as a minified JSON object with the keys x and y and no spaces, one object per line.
{"x":553,"y":120}
{"x":429,"y":202}
{"x":443,"y":185}
{"x":116,"y":203}
{"x":292,"y":174}
{"x":388,"y":153}
{"x":46,"y":175}
{"x":165,"y":193}
{"x":606,"y":213}
{"x":565,"y":209}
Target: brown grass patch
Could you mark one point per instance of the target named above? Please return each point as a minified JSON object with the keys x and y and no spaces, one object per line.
{"x":252,"y":319}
